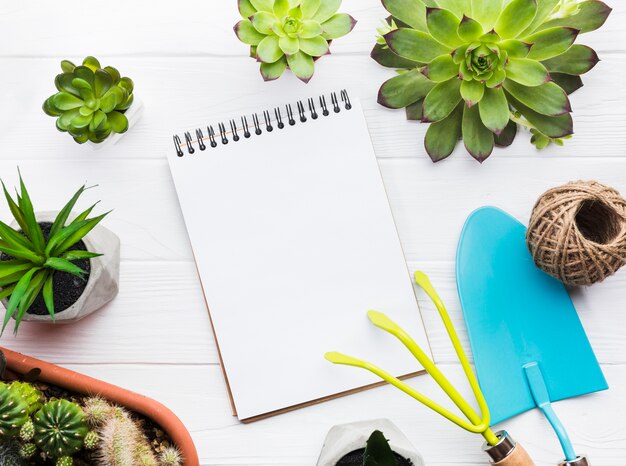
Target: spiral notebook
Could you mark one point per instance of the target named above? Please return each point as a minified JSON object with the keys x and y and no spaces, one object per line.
{"x":294,"y":242}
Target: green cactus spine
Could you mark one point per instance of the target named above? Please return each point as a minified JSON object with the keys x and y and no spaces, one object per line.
{"x":60,"y":428}
{"x":29,"y":395}
{"x":13,"y":412}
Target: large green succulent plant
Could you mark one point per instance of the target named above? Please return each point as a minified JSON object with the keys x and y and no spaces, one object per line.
{"x":31,"y":258}
{"x":477,"y":69}
{"x":91,"y":101}
{"x":290,"y":33}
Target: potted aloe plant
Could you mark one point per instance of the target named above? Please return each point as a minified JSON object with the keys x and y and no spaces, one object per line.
{"x":93,"y":104}
{"x":478,"y":71}
{"x":55,"y":266}
{"x":368,"y":443}
{"x":290,"y":34}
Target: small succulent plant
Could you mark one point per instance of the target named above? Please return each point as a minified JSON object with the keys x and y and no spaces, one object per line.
{"x":91,"y":440}
{"x":377,"y":451}
{"x":34,"y":258}
{"x":170,"y":456}
{"x":29,"y":394}
{"x":97,"y":411}
{"x":13,"y":412}
{"x":60,"y":428}
{"x":64,"y":461}
{"x":91,"y":101}
{"x":28,"y":450}
{"x":478,"y":70}
{"x":27,"y":431}
{"x":290,"y":33}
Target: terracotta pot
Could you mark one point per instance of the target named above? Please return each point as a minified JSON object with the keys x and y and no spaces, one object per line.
{"x":80,"y":383}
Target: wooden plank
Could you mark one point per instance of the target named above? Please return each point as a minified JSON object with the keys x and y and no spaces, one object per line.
{"x":182,"y":94}
{"x":197,"y":395}
{"x":189,"y":27}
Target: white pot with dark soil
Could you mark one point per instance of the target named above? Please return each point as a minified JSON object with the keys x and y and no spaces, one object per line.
{"x":74,"y":297}
{"x":345,"y":444}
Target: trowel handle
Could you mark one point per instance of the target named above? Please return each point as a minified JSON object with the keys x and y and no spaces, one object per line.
{"x":507,"y":452}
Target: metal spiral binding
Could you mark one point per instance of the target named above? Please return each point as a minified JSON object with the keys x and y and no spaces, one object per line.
{"x":279,"y":120}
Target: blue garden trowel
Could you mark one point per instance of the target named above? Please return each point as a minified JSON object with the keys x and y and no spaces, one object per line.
{"x":528,"y":343}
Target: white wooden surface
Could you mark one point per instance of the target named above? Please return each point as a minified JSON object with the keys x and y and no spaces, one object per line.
{"x":155,"y":337}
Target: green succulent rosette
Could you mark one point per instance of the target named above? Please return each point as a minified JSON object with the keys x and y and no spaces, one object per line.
{"x":91,"y":101}
{"x":478,"y":69}
{"x":290,"y":33}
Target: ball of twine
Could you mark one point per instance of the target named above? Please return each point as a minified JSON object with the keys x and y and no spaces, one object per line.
{"x":577,"y":232}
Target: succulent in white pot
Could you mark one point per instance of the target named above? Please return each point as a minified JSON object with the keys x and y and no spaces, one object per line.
{"x":55,"y":266}
{"x":368,"y":443}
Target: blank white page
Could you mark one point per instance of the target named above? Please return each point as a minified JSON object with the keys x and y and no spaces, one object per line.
{"x":294,"y":242}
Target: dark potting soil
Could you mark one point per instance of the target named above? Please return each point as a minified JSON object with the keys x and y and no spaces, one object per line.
{"x":67,"y":288}
{"x":355,"y":458}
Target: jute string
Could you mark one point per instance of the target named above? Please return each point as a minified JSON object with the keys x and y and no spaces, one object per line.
{"x":577,"y":232}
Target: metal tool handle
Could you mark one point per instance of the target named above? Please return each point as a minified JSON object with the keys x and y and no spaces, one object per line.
{"x":579,"y":461}
{"x":507,"y":452}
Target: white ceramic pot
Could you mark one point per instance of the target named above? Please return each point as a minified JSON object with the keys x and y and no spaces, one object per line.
{"x":132,"y":115}
{"x":345,"y":438}
{"x":103,"y":283}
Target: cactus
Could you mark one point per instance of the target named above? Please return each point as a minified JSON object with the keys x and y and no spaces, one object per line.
{"x":170,"y":457}
{"x":28,"y":450}
{"x":13,"y":411}
{"x":65,"y":461}
{"x":27,"y":432}
{"x":10,"y":453}
{"x":60,"y":428}
{"x":123,"y":444}
{"x":91,"y":440}
{"x":29,"y":394}
{"x":97,"y":411}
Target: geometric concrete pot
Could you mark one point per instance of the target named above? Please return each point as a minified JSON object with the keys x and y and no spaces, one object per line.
{"x":346,"y":438}
{"x":103,"y":283}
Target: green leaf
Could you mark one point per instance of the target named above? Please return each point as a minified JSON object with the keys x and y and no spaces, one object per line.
{"x":103,"y":81}
{"x":98,"y":121}
{"x":272,"y":71}
{"x":83,"y":215}
{"x":59,"y":221}
{"x":591,"y":15}
{"x":118,"y":121}
{"x":6,"y":291}
{"x":377,"y":451}
{"x":486,"y":12}
{"x":415,"y":111}
{"x":302,"y":66}
{"x":72,"y":234}
{"x":496,"y":79}
{"x":472,"y":92}
{"x":547,"y":99}
{"x":263,"y":22}
{"x":92,"y":63}
{"x":81,"y":121}
{"x":281,"y":8}
{"x":11,"y":279}
{"x":48,"y":294}
{"x":315,"y":47}
{"x":34,"y":288}
{"x":20,"y":253}
{"x":410,"y":12}
{"x":443,"y":26}
{"x":552,"y":126}
{"x":263,"y":5}
{"x":65,"y":101}
{"x":326,"y":10}
{"x":527,"y":72}
{"x":404,"y":89}
{"x":441,"y":69}
{"x":246,"y":9}
{"x":506,"y":137}
{"x":77,"y":254}
{"x":67,"y":66}
{"x":18,"y":292}
{"x":515,"y":48}
{"x":247,"y":33}
{"x":14,"y":239}
{"x":443,"y":136}
{"x":470,"y":30}
{"x":8,"y":268}
{"x":385,"y":57}
{"x":15,"y":210}
{"x":64,"y":266}
{"x":309,"y":7}
{"x":26,"y":207}
{"x":568,"y":82}
{"x":86,"y":74}
{"x":494,"y":110}
{"x":338,"y":26}
{"x":289,"y":45}
{"x":115,"y":75}
{"x":577,"y":60}
{"x":63,"y":83}
{"x":515,"y":17}
{"x":441,"y":100}
{"x":415,"y":45}
{"x":312,"y":28}
{"x":268,"y":50}
{"x":479,"y":141}
{"x":544,"y":9}
{"x":551,"y":42}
